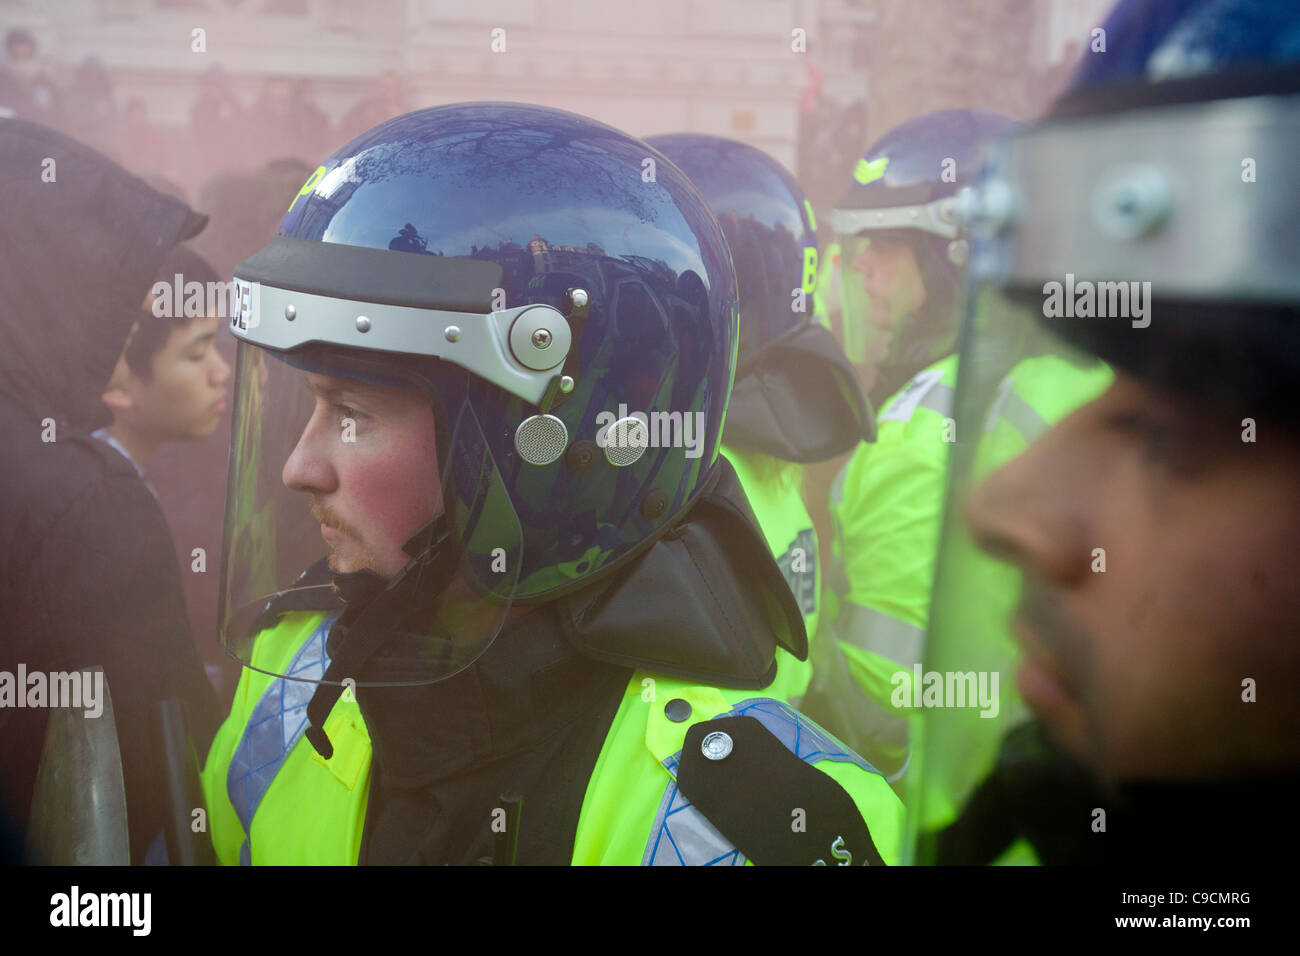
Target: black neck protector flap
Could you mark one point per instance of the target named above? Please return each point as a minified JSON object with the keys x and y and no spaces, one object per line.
{"x":705,"y":602}
{"x":799,"y":399}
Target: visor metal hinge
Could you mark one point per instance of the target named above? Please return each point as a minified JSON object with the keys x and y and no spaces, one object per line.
{"x":561,"y":386}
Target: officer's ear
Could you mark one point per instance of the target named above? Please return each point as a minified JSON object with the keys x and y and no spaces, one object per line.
{"x":117,"y":394}
{"x":119,"y":397}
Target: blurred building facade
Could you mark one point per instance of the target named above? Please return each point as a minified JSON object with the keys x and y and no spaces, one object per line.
{"x":267,"y":79}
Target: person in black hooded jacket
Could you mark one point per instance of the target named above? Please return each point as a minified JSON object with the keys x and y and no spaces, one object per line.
{"x":87,"y":574}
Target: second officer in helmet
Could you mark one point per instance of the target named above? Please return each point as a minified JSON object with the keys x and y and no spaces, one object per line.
{"x":796,"y":399}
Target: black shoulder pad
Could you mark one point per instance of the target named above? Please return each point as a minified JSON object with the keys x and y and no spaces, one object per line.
{"x":752,"y":796}
{"x":730,"y":605}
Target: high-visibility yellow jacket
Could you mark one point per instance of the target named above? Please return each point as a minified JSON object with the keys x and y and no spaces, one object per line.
{"x":775,"y":492}
{"x":272,"y":799}
{"x":887,"y":510}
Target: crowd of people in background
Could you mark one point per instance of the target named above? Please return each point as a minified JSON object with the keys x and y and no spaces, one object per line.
{"x":223,"y":133}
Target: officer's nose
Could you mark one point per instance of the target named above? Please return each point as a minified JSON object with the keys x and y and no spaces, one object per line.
{"x":864,"y":263}
{"x":1032,"y":511}
{"x":220,"y":370}
{"x":308,"y":468}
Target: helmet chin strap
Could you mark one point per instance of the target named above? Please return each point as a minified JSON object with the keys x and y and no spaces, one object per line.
{"x":375,"y":609}
{"x":358,"y":588}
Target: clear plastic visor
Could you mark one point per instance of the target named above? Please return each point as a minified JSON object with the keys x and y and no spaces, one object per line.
{"x":1015,"y":383}
{"x":881,"y":290}
{"x":337,"y":463}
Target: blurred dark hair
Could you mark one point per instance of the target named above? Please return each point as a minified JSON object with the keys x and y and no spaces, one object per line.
{"x":17,"y":36}
{"x":153,"y":332}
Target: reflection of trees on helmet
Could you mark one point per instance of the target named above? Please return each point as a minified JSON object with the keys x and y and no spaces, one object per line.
{"x":796,"y":398}
{"x":766,"y":221}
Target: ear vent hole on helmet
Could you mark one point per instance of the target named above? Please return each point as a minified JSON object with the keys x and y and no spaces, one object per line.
{"x":625,"y":441}
{"x":541,"y":439}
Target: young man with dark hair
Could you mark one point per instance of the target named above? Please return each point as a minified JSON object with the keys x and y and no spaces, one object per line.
{"x":170,"y":384}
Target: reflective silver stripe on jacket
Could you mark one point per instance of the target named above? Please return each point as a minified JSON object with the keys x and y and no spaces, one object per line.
{"x":872,"y":728}
{"x":939,"y":399}
{"x":837,"y":577}
{"x":880,"y":633}
{"x":1022,"y":416}
{"x":837,"y":486}
{"x":926,"y":390}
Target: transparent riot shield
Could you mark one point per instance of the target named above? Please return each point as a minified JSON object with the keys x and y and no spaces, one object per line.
{"x":78,"y":815}
{"x":1015,"y":381}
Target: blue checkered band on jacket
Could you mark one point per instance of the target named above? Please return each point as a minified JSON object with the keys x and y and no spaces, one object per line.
{"x":277,"y":722}
{"x":681,"y":836}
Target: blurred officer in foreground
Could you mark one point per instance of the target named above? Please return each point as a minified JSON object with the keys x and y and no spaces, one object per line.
{"x":87,"y":574}
{"x":546,"y":610}
{"x":796,"y":399}
{"x":1150,"y":221}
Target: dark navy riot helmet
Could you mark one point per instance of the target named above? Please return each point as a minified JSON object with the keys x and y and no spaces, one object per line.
{"x":1148,"y":225}
{"x":796,"y":396}
{"x":565,"y":313}
{"x":904,"y":191}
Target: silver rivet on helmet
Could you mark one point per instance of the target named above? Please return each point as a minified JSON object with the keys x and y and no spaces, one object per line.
{"x":624,"y":441}
{"x":958,"y":252}
{"x":451,"y":333}
{"x":1131,"y":201}
{"x":540,"y":439}
{"x":717,"y":745}
{"x":566,"y":384}
{"x":539,"y":338}
{"x":579,"y":298}
{"x":363,"y":324}
{"x":990,"y":209}
{"x":290,"y":313}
